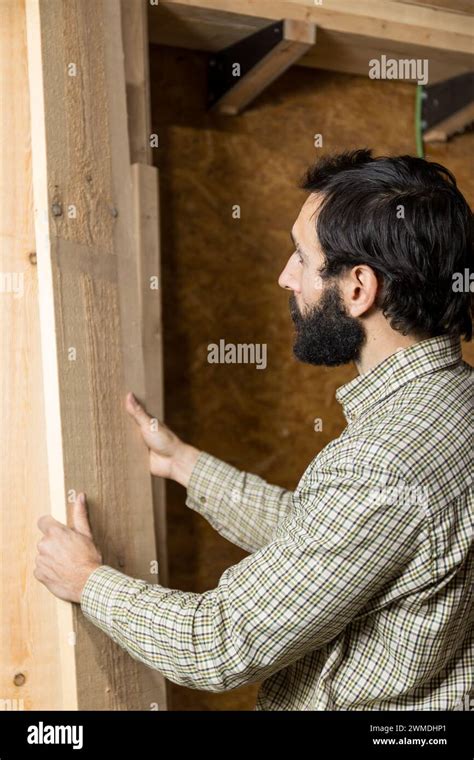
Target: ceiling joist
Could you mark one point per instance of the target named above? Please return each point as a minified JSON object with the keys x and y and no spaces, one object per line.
{"x":349,"y":34}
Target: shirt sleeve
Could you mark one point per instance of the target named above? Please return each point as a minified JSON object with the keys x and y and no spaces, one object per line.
{"x":339,"y":548}
{"x":242,"y":507}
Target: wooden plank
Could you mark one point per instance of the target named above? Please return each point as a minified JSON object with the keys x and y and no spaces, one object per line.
{"x":146,"y":225}
{"x":349,"y":34}
{"x":297,"y":38}
{"x":420,"y":15}
{"x":147,"y":229}
{"x":453,"y":6}
{"x":197,"y":27}
{"x":30,"y":672}
{"x":137,"y":78}
{"x":333,"y":53}
{"x":89,"y":320}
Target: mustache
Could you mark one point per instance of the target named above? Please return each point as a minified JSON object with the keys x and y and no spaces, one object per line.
{"x":295,"y":312}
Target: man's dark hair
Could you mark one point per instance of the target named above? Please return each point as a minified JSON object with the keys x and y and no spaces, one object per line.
{"x":406,"y":219}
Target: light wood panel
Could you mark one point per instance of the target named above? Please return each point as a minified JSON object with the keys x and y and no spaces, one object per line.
{"x":454,"y":6}
{"x":30,"y":675}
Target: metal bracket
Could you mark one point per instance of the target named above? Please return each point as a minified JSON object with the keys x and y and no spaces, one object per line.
{"x":448,"y":107}
{"x":238,"y":73}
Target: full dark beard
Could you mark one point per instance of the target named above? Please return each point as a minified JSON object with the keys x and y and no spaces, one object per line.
{"x":327,"y":335}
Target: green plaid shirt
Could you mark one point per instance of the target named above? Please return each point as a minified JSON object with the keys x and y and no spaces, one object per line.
{"x":356,"y":594}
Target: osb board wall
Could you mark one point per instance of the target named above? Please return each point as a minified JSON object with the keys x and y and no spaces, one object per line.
{"x":219,"y":280}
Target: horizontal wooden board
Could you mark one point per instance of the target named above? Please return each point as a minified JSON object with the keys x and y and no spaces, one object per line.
{"x":349,"y":34}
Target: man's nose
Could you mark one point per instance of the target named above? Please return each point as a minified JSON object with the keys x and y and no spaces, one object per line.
{"x":288,"y":279}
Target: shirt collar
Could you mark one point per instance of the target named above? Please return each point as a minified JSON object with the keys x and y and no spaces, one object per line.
{"x":397,"y":369}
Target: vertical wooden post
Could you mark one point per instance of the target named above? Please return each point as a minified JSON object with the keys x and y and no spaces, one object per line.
{"x":34,"y":659}
{"x":146,"y":210}
{"x":145,"y":181}
{"x":137,"y":78}
{"x":90,"y":323}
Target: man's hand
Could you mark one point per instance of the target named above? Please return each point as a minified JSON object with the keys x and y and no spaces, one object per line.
{"x":67,"y":556}
{"x":170,"y":457}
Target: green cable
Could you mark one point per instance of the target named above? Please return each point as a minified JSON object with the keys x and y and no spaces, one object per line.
{"x":418,"y":130}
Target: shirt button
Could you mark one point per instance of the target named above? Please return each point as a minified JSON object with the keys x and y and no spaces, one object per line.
{"x":202,"y":498}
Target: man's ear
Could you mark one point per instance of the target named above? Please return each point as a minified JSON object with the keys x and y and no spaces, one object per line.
{"x":360,"y":287}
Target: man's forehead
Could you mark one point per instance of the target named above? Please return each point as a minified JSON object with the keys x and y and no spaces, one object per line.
{"x":311,"y":204}
{"x":305,"y":224}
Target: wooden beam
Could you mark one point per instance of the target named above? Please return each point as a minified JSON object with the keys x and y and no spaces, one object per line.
{"x":454,"y":6}
{"x":31,"y":648}
{"x":425,"y":15}
{"x":294,"y":38}
{"x":89,"y":319}
{"x":137,"y":78}
{"x":147,"y":230}
{"x":349,"y":34}
{"x":145,"y":182}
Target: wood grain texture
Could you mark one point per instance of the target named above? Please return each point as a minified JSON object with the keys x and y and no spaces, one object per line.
{"x":147,"y":229}
{"x":137,"y":79}
{"x":220,"y":280}
{"x":453,"y":6}
{"x":349,"y":34}
{"x":29,"y":636}
{"x":147,"y":233}
{"x":88,"y":305}
{"x":436,"y":14}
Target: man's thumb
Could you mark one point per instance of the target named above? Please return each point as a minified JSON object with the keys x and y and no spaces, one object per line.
{"x":137,"y":411}
{"x":80,"y":517}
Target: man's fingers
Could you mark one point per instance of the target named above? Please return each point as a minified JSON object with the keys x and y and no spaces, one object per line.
{"x":137,"y":411}
{"x":46,"y":522}
{"x":80,"y":517}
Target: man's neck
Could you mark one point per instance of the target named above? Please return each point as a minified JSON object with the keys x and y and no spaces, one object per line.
{"x":380,"y":346}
